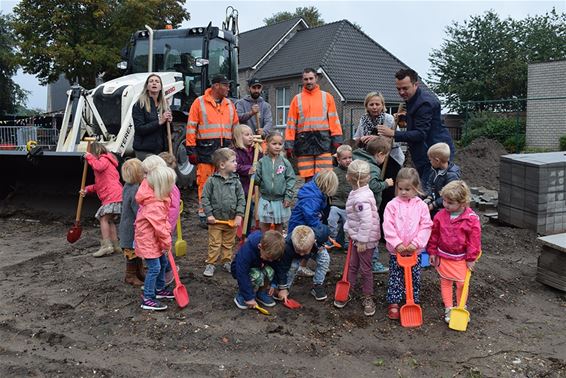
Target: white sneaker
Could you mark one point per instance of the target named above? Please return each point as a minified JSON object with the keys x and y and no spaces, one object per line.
{"x":227,"y":267}
{"x":304,"y":271}
{"x":209,"y":270}
{"x":447,"y":314}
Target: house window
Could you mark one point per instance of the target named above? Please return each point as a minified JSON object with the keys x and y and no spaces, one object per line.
{"x":283,"y":100}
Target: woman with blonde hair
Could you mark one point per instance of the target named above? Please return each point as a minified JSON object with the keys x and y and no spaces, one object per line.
{"x":367,"y":131}
{"x":150,"y":115}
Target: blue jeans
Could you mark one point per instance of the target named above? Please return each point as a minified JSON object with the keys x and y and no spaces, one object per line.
{"x":155,"y":276}
{"x":336,"y":220}
{"x":322,"y":259}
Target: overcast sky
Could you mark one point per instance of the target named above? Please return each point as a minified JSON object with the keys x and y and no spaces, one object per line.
{"x":407,"y":29}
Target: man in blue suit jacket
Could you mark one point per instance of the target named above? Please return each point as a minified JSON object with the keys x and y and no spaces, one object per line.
{"x":424,"y":126}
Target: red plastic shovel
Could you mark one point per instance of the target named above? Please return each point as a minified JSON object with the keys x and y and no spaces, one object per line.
{"x":343,"y":286}
{"x":411,"y":313}
{"x":180,"y":291}
{"x":292,"y":304}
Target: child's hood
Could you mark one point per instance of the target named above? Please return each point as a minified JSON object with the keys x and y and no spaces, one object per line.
{"x":111,"y":158}
{"x":145,"y":194}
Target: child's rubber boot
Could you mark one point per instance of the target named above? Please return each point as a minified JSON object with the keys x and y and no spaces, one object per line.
{"x":131,"y":273}
{"x":116,"y":246}
{"x":106,"y":248}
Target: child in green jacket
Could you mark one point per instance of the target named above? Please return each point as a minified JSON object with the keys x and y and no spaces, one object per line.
{"x":223,"y":200}
{"x":276,"y":179}
{"x":375,"y":153}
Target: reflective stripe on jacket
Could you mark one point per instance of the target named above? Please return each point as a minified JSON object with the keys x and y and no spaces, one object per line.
{"x":210,"y":124}
{"x":312,"y":123}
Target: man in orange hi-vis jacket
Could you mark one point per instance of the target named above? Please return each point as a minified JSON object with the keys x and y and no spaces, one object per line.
{"x":313,"y":128}
{"x":211,"y":119}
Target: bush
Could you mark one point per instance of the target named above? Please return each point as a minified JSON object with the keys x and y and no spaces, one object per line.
{"x":494,"y":126}
{"x":562,"y":143}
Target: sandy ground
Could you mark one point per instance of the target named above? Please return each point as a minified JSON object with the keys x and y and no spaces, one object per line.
{"x":68,"y":314}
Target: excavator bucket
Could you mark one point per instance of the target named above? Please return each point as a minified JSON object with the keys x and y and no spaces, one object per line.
{"x":45,"y":181}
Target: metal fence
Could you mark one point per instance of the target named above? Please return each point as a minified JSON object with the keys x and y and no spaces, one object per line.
{"x":17,"y":137}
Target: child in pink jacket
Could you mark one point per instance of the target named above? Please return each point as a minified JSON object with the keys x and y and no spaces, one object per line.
{"x":362,"y":225}
{"x":455,"y":242}
{"x":108,"y":188}
{"x":406,"y":227}
{"x":153,"y":234}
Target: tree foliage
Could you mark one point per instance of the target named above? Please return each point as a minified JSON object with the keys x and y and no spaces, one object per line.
{"x":486,"y":57}
{"x":311,"y":15}
{"x":83,"y":38}
{"x":11,"y":93}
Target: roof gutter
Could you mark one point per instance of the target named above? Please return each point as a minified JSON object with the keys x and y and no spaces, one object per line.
{"x":321,"y":71}
{"x":278,"y":42}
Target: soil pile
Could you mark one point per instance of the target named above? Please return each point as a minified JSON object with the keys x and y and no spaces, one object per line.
{"x":479,"y":162}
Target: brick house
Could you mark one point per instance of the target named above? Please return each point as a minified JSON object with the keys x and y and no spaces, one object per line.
{"x":350,"y":65}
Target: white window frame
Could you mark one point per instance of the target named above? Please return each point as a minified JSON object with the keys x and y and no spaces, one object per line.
{"x":282,"y":108}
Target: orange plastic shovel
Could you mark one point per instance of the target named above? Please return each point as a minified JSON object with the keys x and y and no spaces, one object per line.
{"x":343,"y":286}
{"x":229,"y":222}
{"x":411,"y":313}
{"x":180,"y":291}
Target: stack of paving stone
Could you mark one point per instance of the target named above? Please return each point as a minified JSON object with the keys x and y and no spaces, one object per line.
{"x":532,"y":191}
{"x":551,"y":268}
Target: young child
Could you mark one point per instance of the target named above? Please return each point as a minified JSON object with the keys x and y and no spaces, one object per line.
{"x":337,"y":216}
{"x":375,"y":153}
{"x":174,"y":208}
{"x":222,"y":199}
{"x":276,"y":179}
{"x":252,"y":267}
{"x":153,"y":234}
{"x":109,"y":190}
{"x":362,"y":225}
{"x":455,"y":242}
{"x":312,"y":201}
{"x":407,"y":227}
{"x":243,"y":145}
{"x":302,"y":243}
{"x":133,"y":175}
{"x":443,"y":172}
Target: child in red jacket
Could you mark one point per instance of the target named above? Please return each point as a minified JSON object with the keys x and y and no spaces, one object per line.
{"x":108,"y":188}
{"x":455,"y":242}
{"x":153,"y":234}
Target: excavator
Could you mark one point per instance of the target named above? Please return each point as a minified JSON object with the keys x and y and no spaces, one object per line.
{"x":185,"y":59}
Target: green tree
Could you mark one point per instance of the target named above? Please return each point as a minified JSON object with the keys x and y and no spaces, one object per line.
{"x":311,"y":15}
{"x":83,"y":39}
{"x":12,"y":95}
{"x":486,"y":57}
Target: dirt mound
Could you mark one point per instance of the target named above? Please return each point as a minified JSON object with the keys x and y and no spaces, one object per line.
{"x":479,"y":162}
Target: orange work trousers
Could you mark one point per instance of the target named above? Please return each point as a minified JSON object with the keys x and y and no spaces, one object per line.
{"x":309,"y":165}
{"x":204,"y":171}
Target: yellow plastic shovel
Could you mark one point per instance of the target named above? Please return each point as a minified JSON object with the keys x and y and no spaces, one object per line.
{"x":459,"y":316}
{"x":180,"y":244}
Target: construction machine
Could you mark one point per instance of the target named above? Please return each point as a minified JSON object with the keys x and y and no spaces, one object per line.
{"x":185,"y":59}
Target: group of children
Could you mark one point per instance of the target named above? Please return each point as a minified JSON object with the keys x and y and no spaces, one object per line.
{"x":265,"y":265}
{"x":148,"y":205}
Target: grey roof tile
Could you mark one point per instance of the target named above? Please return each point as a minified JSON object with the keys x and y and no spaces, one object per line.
{"x":254,"y":44}
{"x":354,"y":62}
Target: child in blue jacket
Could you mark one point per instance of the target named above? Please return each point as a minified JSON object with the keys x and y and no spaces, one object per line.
{"x":252,"y":268}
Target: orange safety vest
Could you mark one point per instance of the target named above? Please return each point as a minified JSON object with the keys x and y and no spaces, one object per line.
{"x":312,"y":123}
{"x":209,"y":126}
